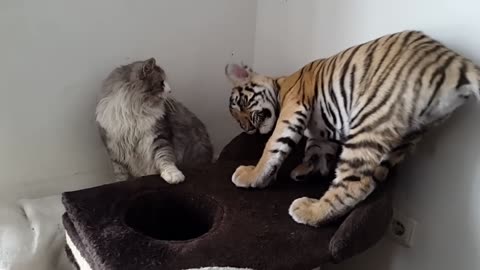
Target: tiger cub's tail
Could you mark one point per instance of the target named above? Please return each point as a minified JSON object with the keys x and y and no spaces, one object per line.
{"x":469,"y":80}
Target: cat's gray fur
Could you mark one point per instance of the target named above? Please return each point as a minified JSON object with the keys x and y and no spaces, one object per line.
{"x":145,"y":131}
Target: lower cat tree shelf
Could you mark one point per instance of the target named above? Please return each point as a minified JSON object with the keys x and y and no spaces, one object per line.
{"x":207,"y":221}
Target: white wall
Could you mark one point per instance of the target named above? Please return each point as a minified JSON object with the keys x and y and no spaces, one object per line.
{"x":439,"y":185}
{"x":54,"y":54}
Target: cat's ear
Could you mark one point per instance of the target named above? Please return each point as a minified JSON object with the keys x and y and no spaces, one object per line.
{"x":147,"y":68}
{"x":238,"y":74}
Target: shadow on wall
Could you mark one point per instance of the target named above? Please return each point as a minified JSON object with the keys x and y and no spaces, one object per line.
{"x":283,"y":42}
{"x":436,"y":186}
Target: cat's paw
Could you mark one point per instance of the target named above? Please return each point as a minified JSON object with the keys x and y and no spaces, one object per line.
{"x":172,"y":175}
{"x":121,"y":177}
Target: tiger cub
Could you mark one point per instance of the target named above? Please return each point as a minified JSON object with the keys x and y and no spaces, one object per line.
{"x":375,"y":101}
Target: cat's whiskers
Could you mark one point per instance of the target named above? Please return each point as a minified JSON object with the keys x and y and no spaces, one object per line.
{"x":170,"y":104}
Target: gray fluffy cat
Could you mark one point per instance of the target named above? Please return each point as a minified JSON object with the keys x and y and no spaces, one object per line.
{"x":145,"y":131}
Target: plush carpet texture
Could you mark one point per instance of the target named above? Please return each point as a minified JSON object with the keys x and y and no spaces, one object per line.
{"x":208,"y":222}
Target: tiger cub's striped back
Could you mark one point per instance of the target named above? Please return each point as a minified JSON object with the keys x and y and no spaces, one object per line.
{"x":375,"y":100}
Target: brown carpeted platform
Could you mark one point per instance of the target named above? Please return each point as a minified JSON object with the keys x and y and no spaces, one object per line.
{"x":207,"y":221}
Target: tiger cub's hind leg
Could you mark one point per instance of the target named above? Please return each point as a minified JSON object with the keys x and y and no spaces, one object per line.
{"x":396,"y":155}
{"x":319,"y":157}
{"x":361,"y":167}
{"x":354,"y":181}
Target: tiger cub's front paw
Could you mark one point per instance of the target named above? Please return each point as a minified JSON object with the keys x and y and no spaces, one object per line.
{"x":245,"y":177}
{"x":172,"y":175}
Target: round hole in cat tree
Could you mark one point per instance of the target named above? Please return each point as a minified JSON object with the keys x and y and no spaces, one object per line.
{"x":171,"y":216}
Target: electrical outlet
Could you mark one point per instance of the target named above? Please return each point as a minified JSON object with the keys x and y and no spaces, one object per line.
{"x":402,"y":229}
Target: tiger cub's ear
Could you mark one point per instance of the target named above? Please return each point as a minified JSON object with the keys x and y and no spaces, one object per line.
{"x":238,"y":74}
